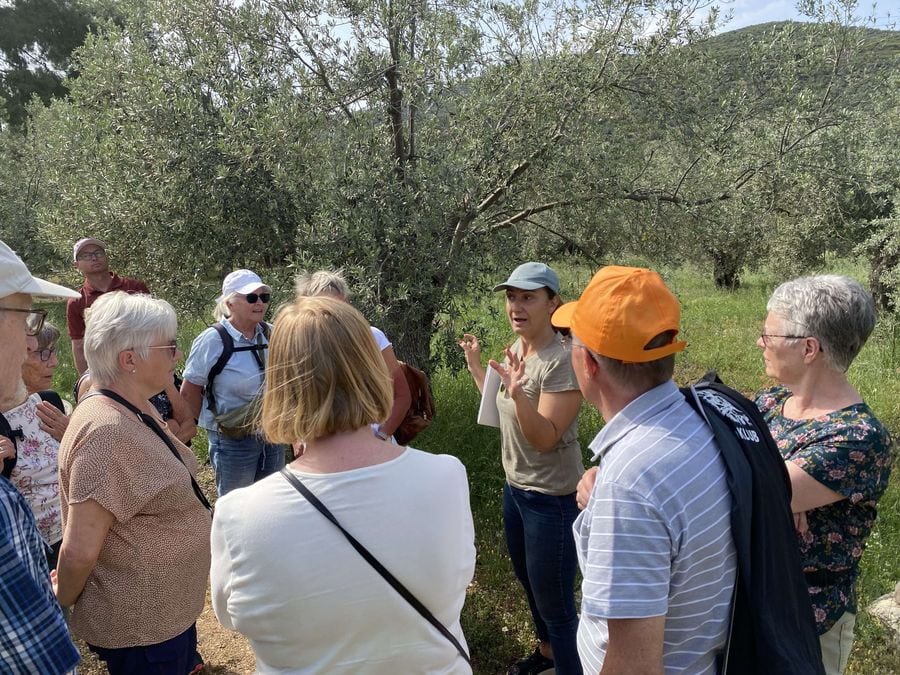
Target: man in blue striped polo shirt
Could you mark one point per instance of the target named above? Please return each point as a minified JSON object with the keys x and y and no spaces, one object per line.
{"x":654,"y":542}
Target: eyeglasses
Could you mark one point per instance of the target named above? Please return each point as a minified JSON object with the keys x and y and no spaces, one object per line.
{"x":765,"y":337}
{"x":34,"y":321}
{"x":92,"y":255}
{"x":172,"y":347}
{"x":253,"y":297}
{"x":45,"y":354}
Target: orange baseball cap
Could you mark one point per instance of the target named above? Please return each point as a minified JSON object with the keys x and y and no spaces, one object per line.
{"x":620,"y":311}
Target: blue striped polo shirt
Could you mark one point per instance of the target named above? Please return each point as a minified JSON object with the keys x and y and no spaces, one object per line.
{"x":655,"y":538}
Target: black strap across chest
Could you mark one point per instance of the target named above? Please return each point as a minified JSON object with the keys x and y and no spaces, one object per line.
{"x":150,"y":422}
{"x":374,"y":562}
{"x":228,"y":349}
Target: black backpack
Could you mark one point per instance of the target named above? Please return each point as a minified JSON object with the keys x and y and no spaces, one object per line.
{"x":228,"y":349}
{"x":772,"y":628}
{"x":15,"y":434}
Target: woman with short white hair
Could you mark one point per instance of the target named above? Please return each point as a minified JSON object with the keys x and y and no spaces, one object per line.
{"x":837,"y":452}
{"x":135,"y":554}
{"x":223,"y":381}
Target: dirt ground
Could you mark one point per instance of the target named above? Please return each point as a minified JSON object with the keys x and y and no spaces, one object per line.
{"x":225,"y":652}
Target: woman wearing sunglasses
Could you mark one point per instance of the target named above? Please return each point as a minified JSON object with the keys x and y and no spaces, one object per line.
{"x":223,"y":383}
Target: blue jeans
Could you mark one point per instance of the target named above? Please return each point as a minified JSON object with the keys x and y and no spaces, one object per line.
{"x":172,"y":657}
{"x":239,"y":462}
{"x":542,"y":549}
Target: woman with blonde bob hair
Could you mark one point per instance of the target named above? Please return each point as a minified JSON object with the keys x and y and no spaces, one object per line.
{"x":325,"y":385}
{"x":332,"y":284}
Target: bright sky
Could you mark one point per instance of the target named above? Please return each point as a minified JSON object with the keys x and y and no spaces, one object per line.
{"x":749,"y":12}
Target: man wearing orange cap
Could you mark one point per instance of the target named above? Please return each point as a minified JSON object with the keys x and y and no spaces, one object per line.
{"x":654,"y":543}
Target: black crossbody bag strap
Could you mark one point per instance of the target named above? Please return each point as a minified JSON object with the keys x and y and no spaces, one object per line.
{"x":150,"y":422}
{"x":373,"y":561}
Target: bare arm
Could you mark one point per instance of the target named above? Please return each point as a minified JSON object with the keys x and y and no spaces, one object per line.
{"x":184,"y":428}
{"x":472,"y":350}
{"x":402,"y":396}
{"x":808,"y":493}
{"x":635,"y":647}
{"x":87,"y":525}
{"x":78,"y":356}
{"x":193,"y":397}
{"x":545,"y":423}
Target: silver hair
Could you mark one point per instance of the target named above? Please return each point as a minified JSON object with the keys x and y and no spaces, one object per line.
{"x":119,"y":322}
{"x":221,"y":310}
{"x":323,"y":282}
{"x":834,"y":309}
{"x":48,"y":336}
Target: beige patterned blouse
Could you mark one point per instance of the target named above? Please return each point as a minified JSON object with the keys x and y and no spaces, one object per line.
{"x":149,"y":583}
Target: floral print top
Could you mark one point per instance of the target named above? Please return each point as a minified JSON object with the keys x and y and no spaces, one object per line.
{"x":848,"y":451}
{"x":35,"y":473}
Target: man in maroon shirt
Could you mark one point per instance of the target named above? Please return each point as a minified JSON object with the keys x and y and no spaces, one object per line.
{"x":90,"y":259}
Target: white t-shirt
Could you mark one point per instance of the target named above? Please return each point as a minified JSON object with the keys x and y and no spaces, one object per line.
{"x":380,"y":338}
{"x":287,"y":579}
{"x":35,"y":474}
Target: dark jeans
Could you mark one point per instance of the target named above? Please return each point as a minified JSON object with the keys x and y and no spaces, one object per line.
{"x":239,"y":462}
{"x":172,"y":657}
{"x":542,"y":549}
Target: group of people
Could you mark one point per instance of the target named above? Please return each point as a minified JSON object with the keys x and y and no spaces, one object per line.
{"x":356,"y":555}
{"x":654,"y":539}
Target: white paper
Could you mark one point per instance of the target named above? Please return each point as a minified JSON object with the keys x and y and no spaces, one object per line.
{"x":488,"y":415}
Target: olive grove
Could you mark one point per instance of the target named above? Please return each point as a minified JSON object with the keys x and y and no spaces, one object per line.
{"x":420,"y":144}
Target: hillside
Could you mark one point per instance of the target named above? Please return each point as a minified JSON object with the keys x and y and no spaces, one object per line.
{"x":872,"y":51}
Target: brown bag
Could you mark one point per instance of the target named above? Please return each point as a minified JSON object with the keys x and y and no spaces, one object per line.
{"x":241,"y":422}
{"x":421,"y":408}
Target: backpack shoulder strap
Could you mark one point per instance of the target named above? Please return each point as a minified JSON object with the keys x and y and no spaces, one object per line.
{"x":219,"y":365}
{"x":7,"y":431}
{"x":52,"y":397}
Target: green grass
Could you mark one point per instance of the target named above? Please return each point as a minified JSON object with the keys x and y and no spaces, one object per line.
{"x":721,"y":329}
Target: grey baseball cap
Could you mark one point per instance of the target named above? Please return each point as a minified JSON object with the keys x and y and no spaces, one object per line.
{"x":531,"y":276}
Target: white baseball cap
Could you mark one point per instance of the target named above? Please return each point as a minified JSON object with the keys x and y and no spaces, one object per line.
{"x":243,"y":282}
{"x":81,"y":243}
{"x":15,"y":278}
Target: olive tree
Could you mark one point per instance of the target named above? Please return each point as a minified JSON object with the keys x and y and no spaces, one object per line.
{"x":413,"y":144}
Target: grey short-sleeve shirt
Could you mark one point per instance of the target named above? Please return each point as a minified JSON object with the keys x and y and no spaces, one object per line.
{"x":556,"y":472}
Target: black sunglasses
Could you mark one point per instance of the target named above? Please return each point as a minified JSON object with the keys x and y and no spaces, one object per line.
{"x":253,"y":297}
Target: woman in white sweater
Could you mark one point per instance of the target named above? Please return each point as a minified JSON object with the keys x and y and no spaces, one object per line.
{"x":286,"y":577}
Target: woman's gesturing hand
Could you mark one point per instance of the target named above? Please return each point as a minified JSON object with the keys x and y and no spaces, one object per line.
{"x":512,"y":375}
{"x":472,"y":349}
